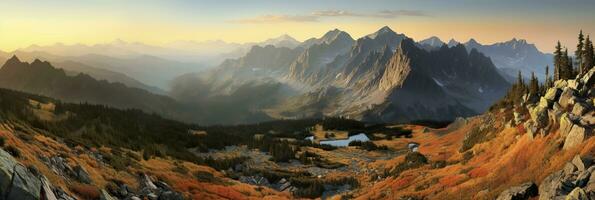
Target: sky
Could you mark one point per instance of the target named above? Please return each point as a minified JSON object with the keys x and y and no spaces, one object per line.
{"x":543,"y":22}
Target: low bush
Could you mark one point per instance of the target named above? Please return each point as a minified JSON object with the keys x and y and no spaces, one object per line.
{"x":368,"y":145}
{"x":13,"y":151}
{"x":477,"y":135}
{"x":85,"y":191}
{"x":412,"y":160}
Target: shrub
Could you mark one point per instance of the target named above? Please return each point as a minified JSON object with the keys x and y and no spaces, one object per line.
{"x":439,"y":164}
{"x":2,"y":141}
{"x":412,"y":160}
{"x":181,"y":169}
{"x":13,"y":151}
{"x":475,"y":136}
{"x":203,"y":176}
{"x":467,"y":156}
{"x":85,"y":191}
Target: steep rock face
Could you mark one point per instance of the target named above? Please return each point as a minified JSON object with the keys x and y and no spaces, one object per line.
{"x":383,"y":76}
{"x":17,"y":182}
{"x":434,"y":84}
{"x":310,"y":65}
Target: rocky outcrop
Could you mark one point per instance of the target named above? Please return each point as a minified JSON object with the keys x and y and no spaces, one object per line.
{"x":567,"y":104}
{"x":19,"y":182}
{"x":574,"y":181}
{"x":521,"y":192}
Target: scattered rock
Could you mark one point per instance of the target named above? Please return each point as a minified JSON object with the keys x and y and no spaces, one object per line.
{"x":579,"y":109}
{"x":522,"y":192}
{"x":566,"y":97}
{"x":560,"y":83}
{"x":574,"y":181}
{"x":539,"y":115}
{"x":146,"y":182}
{"x":24,"y":185}
{"x":581,"y":163}
{"x":565,"y":125}
{"x":46,"y":190}
{"x":576,"y":136}
{"x":577,"y":194}
{"x":105,"y":196}
{"x":552,"y":94}
{"x":81,"y":174}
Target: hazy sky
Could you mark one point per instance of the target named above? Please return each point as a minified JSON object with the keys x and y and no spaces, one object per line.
{"x":26,"y":22}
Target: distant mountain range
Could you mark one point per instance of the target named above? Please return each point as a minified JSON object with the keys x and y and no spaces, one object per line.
{"x":509,"y":57}
{"x":40,"y":77}
{"x":146,"y":72}
{"x":204,"y":53}
{"x":384,"y":76}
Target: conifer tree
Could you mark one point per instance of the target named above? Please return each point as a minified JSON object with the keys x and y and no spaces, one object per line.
{"x":557,"y":61}
{"x":566,"y":69}
{"x":533,"y":85}
{"x":578,"y":54}
{"x":547,"y":82}
{"x":588,"y":57}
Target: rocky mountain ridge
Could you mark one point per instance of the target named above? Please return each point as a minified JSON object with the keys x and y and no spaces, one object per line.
{"x":366,"y":76}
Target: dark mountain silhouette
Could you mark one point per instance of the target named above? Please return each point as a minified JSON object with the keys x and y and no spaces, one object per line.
{"x":42,"y":78}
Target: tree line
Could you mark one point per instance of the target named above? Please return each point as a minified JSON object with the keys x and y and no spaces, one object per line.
{"x":565,"y":67}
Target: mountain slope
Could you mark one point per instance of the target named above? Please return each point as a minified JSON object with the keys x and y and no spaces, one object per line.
{"x":514,"y":55}
{"x":532,"y":150}
{"x":42,"y":78}
{"x":383,"y":76}
{"x":509,"y":56}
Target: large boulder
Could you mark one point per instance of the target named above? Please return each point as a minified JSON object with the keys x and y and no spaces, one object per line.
{"x":566,"y":97}
{"x":46,"y":189}
{"x":539,"y":115}
{"x":581,"y":163}
{"x":560,"y":83}
{"x":577,"y":194}
{"x":552,"y":186}
{"x":7,"y":163}
{"x":553,"y":94}
{"x":565,"y":125}
{"x":580,"y":108}
{"x":521,"y":192}
{"x":573,"y":84}
{"x":588,"y":80}
{"x":146,"y":182}
{"x":25,"y":186}
{"x":576,"y":136}
{"x":16,"y":181}
{"x":105,"y":196}
{"x":588,"y":119}
{"x":81,"y":174}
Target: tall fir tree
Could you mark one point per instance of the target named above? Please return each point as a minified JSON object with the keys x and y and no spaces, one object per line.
{"x":567,"y":70}
{"x":578,"y":54}
{"x":588,"y":57}
{"x":533,"y":85}
{"x":557,"y":61}
{"x":547,"y":82}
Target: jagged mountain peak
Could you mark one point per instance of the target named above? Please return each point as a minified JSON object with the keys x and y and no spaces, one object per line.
{"x":452,"y":42}
{"x":14,"y":58}
{"x":432,"y":41}
{"x":334,"y":35}
{"x":472,"y":42}
{"x":382,"y":31}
